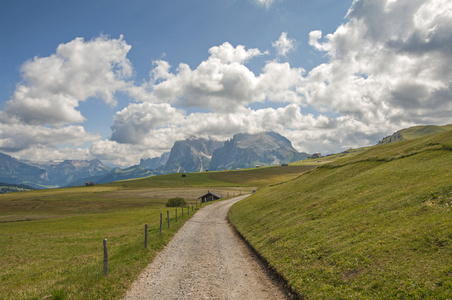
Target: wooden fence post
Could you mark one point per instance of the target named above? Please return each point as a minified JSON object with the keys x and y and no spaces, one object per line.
{"x":167,"y":216}
{"x":176,"y":214}
{"x":146,"y":236}
{"x":161,"y":220}
{"x":105,"y":258}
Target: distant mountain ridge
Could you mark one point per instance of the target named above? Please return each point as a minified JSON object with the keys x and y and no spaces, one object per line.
{"x":249,"y":150}
{"x":13,"y":171}
{"x":186,"y":156}
{"x":116,"y":174}
{"x":62,"y":174}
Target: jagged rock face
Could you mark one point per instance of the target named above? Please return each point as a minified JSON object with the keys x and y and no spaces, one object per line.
{"x":156,"y":162}
{"x":249,"y":150}
{"x":192,"y":155}
{"x":395,"y":137}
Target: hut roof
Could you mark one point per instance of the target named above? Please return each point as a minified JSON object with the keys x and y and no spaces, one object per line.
{"x":210,"y":193}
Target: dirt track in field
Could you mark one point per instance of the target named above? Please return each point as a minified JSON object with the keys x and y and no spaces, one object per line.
{"x":206,"y":260}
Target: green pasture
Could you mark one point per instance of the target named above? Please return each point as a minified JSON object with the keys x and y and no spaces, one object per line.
{"x":260,"y":177}
{"x":51,"y":240}
{"x":63,"y":256}
{"x":374,"y":224}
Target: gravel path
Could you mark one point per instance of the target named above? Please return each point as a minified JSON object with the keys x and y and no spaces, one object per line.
{"x":205,"y":260}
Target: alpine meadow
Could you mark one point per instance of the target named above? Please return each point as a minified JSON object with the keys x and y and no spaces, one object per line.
{"x":367,"y":223}
{"x":374,"y":224}
{"x":52,"y":239}
{"x":227,"y":149}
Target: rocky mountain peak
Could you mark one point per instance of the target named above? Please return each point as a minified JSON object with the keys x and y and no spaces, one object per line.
{"x":191,"y":155}
{"x":248,"y":150}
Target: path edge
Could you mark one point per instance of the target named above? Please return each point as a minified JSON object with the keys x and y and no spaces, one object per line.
{"x":265,"y":265}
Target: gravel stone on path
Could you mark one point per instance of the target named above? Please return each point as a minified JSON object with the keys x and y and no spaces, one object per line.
{"x":206,"y":260}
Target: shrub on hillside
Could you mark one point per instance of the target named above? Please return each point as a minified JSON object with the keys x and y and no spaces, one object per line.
{"x":175,"y":202}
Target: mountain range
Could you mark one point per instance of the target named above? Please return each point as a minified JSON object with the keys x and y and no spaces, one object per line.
{"x":64,"y":173}
{"x":250,"y":150}
{"x":12,"y":171}
{"x":191,"y":155}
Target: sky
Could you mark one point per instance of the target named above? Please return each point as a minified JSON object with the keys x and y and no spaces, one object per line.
{"x":122,"y":81}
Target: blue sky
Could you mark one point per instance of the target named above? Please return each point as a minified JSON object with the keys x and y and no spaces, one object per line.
{"x":181,"y":30}
{"x":120,"y":81}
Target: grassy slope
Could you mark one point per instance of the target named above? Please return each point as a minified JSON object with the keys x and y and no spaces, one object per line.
{"x":58,"y":251}
{"x":262,"y":176}
{"x":374,"y":225}
{"x":419,"y":131}
{"x":415,"y":132}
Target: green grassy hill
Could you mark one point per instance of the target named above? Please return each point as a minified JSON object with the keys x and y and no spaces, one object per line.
{"x":373,"y":225}
{"x":414,"y":132}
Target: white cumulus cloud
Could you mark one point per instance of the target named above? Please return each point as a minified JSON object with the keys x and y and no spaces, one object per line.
{"x":16,"y":137}
{"x":40,"y":114}
{"x":223,"y":82}
{"x":284,"y":44}
{"x":389,"y":65}
{"x":138,"y":123}
{"x":53,"y":86}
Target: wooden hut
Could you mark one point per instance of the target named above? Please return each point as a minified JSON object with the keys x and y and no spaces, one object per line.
{"x":209,"y":197}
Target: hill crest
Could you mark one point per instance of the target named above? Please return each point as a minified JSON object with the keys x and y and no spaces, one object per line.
{"x":414,"y":132}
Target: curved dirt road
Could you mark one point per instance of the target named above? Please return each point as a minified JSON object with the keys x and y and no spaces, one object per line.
{"x":205,"y":260}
